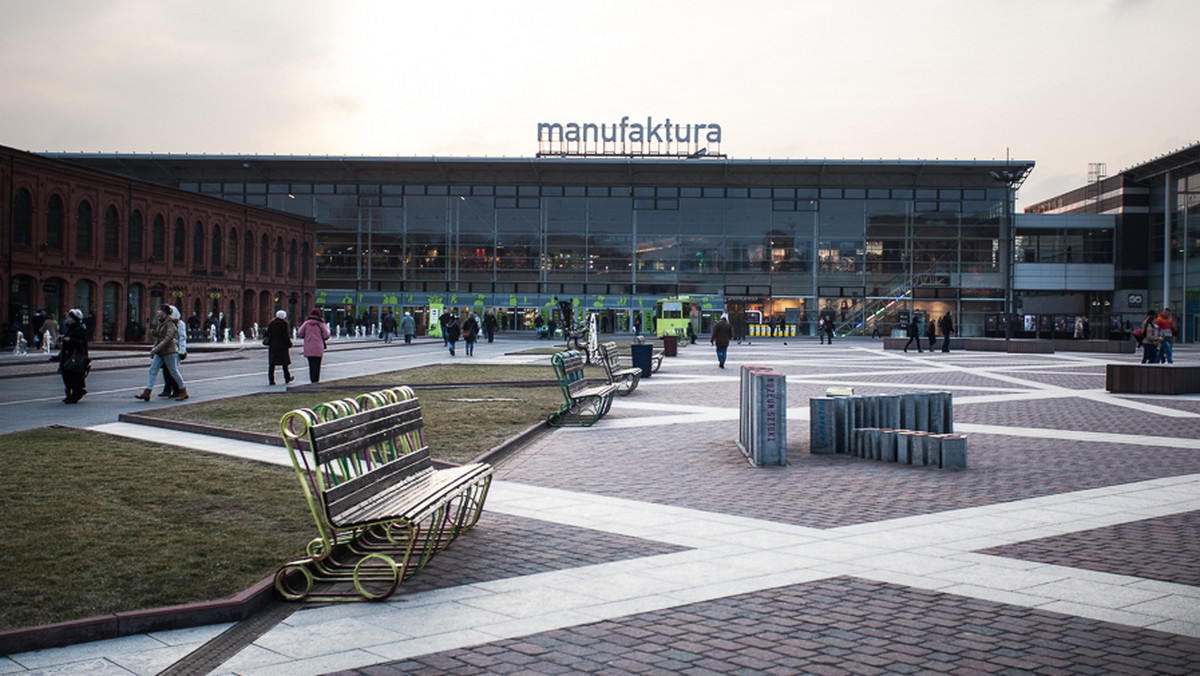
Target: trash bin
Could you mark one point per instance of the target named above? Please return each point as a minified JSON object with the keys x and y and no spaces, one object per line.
{"x":643,"y":358}
{"x":670,"y":346}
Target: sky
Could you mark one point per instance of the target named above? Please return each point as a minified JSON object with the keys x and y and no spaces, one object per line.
{"x":1064,"y":83}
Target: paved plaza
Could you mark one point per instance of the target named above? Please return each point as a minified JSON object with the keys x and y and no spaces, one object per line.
{"x":647,"y":544}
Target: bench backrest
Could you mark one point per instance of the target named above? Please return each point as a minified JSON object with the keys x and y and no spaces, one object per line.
{"x":345,"y":452}
{"x":611,"y":357}
{"x":568,"y":368}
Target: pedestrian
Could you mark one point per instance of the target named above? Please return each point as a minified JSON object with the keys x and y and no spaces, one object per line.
{"x":387,"y":327}
{"x":821,"y":329}
{"x":722,"y":333}
{"x":691,"y":334}
{"x":637,"y":322}
{"x":489,"y":325}
{"x":914,"y":333}
{"x":165,"y":353}
{"x":443,"y":320}
{"x":1079,"y":327}
{"x":829,"y":329}
{"x":946,"y":324}
{"x":315,"y":333}
{"x":408,"y":326}
{"x":470,"y":332}
{"x":1148,"y":335}
{"x":539,"y":325}
{"x":73,"y":357}
{"x":278,"y":344}
{"x":50,"y":326}
{"x":170,"y":387}
{"x":1166,"y":333}
{"x":931,"y":333}
{"x":451,"y":330}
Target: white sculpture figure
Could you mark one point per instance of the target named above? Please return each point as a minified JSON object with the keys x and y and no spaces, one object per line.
{"x":360,"y":331}
{"x":212,"y":333}
{"x":593,"y":338}
{"x":337,"y":331}
{"x":22,"y":346}
{"x":241,"y":337}
{"x":225,"y":338}
{"x":46,"y":343}
{"x":294,"y":336}
{"x":254,"y":332}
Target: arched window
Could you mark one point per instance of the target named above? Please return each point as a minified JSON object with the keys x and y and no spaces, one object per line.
{"x":249,"y":251}
{"x":217,"y":243}
{"x":112,"y":232}
{"x":54,"y":223}
{"x":158,"y":238}
{"x":198,"y":245}
{"x":265,"y":255}
{"x":22,"y":218}
{"x":278,"y":255}
{"x":179,"y":242}
{"x":292,"y":258}
{"x":83,"y":228}
{"x":232,"y":249}
{"x":135,"y":236}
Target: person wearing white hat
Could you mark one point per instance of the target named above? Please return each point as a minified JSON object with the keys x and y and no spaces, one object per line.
{"x":73,"y":359}
{"x":278,"y":342}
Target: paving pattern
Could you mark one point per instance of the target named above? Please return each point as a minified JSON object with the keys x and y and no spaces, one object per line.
{"x":838,"y":626}
{"x":647,"y":544}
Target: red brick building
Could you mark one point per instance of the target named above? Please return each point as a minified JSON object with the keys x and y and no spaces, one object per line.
{"x":117,"y":248}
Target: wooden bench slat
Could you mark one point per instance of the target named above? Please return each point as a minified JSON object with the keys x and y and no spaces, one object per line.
{"x":330,"y":445}
{"x":415,"y":498}
{"x":366,"y":486}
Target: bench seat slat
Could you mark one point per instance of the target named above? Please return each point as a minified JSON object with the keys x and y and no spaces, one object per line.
{"x":414,"y":498}
{"x":365,"y":486}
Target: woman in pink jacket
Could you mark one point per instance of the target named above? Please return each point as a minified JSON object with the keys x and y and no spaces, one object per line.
{"x":315,"y":333}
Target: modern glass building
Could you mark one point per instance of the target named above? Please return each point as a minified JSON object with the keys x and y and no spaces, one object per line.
{"x":1156,"y":208}
{"x":863,"y":241}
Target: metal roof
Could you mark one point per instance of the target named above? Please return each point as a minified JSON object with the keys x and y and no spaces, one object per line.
{"x":178,"y":168}
{"x":1169,"y":162}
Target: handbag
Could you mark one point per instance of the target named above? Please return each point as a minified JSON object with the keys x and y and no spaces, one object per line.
{"x":76,"y":364}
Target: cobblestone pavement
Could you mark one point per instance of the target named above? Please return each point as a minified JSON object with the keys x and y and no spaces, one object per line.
{"x":647,"y":544}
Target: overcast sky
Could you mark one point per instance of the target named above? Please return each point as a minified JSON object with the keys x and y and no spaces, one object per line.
{"x":1060,"y":82}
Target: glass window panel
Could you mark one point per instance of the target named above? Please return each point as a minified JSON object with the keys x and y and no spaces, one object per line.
{"x":843,"y":218}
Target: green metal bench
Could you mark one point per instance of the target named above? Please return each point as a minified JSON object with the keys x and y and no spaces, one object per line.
{"x":624,"y":378}
{"x":382,"y":510}
{"x":585,"y":402}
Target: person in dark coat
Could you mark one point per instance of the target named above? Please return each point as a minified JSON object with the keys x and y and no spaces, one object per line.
{"x":278,"y":342}
{"x":388,"y":326}
{"x":451,"y":330}
{"x":946,"y":324}
{"x":722,"y":333}
{"x":74,"y":341}
{"x":470,"y":332}
{"x":914,"y":333}
{"x":931,"y":333}
{"x":489,"y":325}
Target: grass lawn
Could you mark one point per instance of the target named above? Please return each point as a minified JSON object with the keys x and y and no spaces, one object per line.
{"x":96,"y":524}
{"x":460,"y":422}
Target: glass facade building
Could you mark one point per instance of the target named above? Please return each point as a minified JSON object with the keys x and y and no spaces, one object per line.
{"x":863,"y":241}
{"x":1156,"y":208}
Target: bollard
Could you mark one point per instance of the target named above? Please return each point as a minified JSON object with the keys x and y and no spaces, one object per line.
{"x":954,"y":451}
{"x":763,"y":416}
{"x":821,"y":436}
